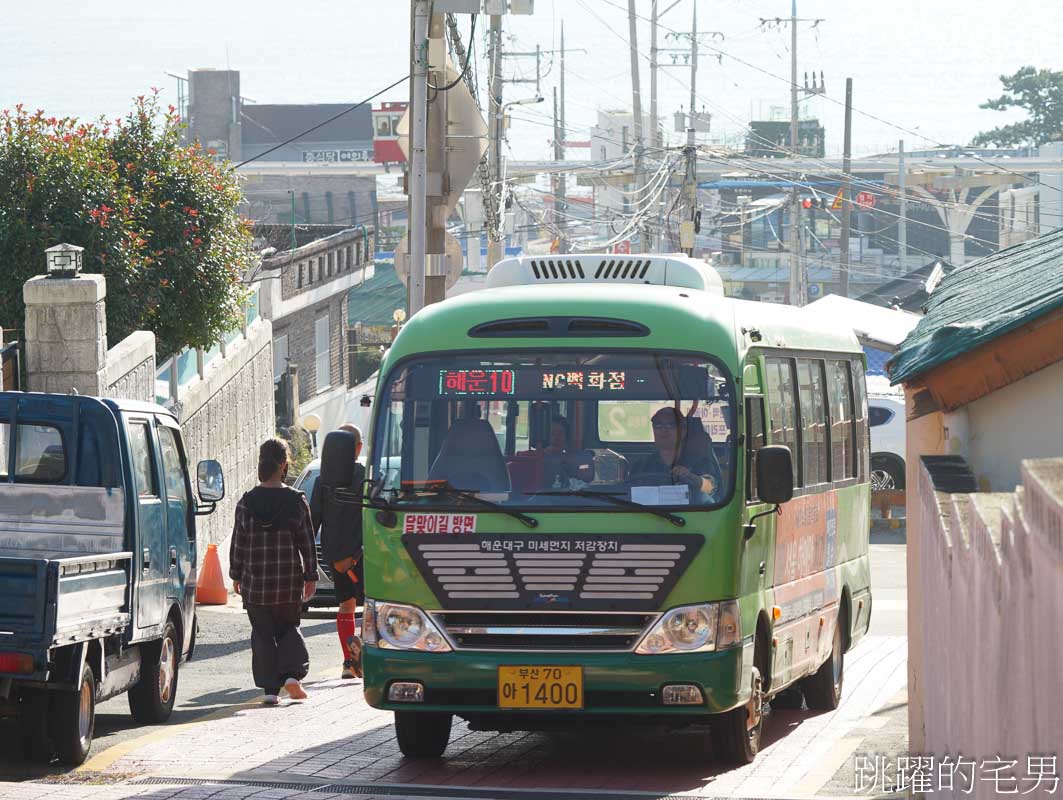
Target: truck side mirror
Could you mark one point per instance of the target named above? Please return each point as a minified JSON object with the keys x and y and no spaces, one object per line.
{"x":210,"y":481}
{"x":775,"y":474}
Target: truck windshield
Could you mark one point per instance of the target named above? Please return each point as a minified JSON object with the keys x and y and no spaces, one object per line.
{"x":554,"y":429}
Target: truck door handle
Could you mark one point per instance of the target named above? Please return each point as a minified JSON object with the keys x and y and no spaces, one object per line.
{"x":146,"y":559}
{"x":173,"y":558}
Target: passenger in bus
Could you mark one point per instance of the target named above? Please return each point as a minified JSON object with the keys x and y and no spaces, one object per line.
{"x":682,"y":454}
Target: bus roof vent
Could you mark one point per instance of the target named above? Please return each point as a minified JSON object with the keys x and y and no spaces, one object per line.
{"x":639,"y":270}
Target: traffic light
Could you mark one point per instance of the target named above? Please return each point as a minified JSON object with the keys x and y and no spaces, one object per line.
{"x":812,"y":202}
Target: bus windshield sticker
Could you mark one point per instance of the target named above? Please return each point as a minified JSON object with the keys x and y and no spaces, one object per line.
{"x":678,"y":495}
{"x":439,"y":523}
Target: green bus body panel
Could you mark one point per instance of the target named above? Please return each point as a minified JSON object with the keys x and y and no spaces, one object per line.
{"x":726,"y":567}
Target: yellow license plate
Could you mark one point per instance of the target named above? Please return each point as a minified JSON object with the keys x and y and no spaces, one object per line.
{"x":540,"y":687}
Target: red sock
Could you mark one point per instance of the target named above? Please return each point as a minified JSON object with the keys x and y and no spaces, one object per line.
{"x":345,"y":627}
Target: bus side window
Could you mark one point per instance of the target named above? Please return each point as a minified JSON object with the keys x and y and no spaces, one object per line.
{"x":839,"y":387}
{"x":782,"y":409}
{"x":863,"y":431}
{"x":754,"y":441}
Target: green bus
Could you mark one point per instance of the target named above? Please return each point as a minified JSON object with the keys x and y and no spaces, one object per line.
{"x":601,"y":491}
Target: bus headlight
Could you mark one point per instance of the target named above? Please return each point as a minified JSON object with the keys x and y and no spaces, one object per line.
{"x":402,"y":627}
{"x":693,"y":629}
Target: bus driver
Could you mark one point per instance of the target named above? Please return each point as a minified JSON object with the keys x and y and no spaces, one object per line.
{"x":683,"y":454}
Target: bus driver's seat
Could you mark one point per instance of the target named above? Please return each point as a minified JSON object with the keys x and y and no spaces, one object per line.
{"x":471,"y":458}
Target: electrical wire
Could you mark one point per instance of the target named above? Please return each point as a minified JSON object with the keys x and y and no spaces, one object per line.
{"x":468,"y":60}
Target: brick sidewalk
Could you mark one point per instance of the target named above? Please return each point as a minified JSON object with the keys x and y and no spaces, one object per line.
{"x":334,"y":738}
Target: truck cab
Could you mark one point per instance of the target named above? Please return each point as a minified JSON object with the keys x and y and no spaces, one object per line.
{"x":97,"y":563}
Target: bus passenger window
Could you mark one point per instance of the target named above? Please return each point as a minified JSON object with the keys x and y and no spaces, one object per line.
{"x":839,"y":387}
{"x":813,"y":421}
{"x":782,"y":408}
{"x":754,"y":441}
{"x":863,"y":431}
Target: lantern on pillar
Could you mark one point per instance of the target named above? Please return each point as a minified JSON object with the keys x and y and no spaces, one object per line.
{"x":63,"y":260}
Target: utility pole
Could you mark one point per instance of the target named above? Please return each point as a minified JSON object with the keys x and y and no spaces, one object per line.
{"x":690,"y":151}
{"x":435,"y":284}
{"x":495,"y":249}
{"x":654,"y":124}
{"x":847,"y":208}
{"x":636,"y":108}
{"x":798,"y":288}
{"x":419,"y":10}
{"x":902,"y":223}
{"x":561,"y":201}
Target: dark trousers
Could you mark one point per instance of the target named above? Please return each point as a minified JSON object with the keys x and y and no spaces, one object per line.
{"x":278,"y":651}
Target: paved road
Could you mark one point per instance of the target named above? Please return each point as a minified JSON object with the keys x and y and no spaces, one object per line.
{"x":334,"y":740}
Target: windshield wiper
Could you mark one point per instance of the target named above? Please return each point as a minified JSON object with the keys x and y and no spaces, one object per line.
{"x":675,"y":519}
{"x":445,"y":489}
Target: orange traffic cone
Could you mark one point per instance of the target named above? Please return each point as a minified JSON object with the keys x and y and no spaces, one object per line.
{"x":211,"y":589}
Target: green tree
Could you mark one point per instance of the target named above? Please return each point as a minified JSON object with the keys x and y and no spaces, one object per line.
{"x":157,"y":218}
{"x":1040,"y":93}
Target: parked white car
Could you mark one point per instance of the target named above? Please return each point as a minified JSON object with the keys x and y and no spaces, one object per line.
{"x":885,"y":409}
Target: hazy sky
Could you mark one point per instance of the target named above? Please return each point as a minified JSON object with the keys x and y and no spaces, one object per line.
{"x":923,"y":66}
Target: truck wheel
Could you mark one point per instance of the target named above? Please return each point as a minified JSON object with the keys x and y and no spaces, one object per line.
{"x":33,"y":725}
{"x":151,"y":699}
{"x":73,"y":719}
{"x":422,"y":734}
{"x":823,"y":690}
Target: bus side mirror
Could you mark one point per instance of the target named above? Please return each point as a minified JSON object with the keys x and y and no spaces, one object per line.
{"x":775,"y":474}
{"x":210,"y":483}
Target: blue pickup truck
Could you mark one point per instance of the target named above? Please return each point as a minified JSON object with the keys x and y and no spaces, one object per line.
{"x":97,"y":563}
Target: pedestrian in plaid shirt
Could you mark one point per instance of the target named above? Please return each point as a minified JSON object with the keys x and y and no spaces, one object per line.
{"x":273,"y":568}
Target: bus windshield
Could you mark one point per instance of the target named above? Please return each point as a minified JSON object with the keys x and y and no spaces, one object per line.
{"x":556,"y":429}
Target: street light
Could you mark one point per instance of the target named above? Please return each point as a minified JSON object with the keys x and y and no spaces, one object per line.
{"x":63,"y":260}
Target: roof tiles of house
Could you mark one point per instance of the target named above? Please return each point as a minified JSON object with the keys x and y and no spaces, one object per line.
{"x":374,"y":302}
{"x":981,"y":301}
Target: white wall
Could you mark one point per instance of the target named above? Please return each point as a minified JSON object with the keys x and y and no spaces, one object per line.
{"x":1020,"y":421}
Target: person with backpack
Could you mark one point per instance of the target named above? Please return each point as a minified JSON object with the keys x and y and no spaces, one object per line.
{"x":337,"y":513}
{"x":273,"y":567}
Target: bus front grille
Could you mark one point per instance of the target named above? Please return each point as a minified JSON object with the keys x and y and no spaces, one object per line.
{"x":537,"y":631}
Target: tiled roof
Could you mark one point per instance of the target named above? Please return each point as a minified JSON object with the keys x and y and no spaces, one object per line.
{"x":983,"y":300}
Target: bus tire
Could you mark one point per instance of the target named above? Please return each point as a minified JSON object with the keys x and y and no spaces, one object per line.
{"x":736,"y":733}
{"x":422,"y":734}
{"x":151,"y":699}
{"x":33,"y":725}
{"x":823,"y":690}
{"x":72,"y":719}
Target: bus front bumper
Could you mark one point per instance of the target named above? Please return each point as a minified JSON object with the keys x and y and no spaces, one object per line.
{"x":466,"y":682}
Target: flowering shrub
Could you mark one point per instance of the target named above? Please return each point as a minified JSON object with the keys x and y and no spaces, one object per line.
{"x":157,"y":218}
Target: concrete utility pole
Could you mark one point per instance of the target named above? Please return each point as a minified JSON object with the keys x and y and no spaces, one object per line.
{"x":495,"y":249}
{"x":654,"y":123}
{"x":690,"y":151}
{"x":435,"y":285}
{"x":418,"y":151}
{"x":902,"y":222}
{"x":561,"y":201}
{"x":798,"y":283}
{"x":636,"y":108}
{"x":847,"y":208}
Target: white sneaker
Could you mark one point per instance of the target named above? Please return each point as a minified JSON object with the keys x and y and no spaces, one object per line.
{"x":271,"y":700}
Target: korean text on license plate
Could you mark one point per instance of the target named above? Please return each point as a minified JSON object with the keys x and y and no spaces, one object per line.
{"x":540,"y":687}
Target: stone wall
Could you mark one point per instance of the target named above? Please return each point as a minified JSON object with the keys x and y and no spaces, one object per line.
{"x":226,"y":416}
{"x":130,"y":369}
{"x":989,"y":609}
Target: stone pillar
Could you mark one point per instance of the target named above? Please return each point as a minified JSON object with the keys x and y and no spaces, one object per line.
{"x":66,"y":333}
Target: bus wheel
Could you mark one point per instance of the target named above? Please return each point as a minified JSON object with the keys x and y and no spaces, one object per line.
{"x":73,"y":720}
{"x":422,"y":734}
{"x":33,"y":725}
{"x":736,"y":734}
{"x":823,"y":690}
